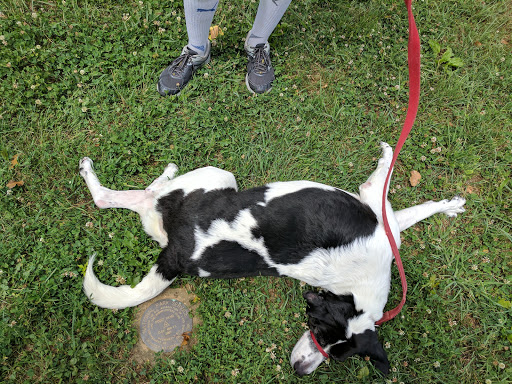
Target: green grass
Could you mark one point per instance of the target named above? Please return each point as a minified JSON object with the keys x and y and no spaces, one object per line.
{"x":77,"y":79}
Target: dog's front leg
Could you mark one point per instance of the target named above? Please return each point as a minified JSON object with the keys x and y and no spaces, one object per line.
{"x":410,"y":216}
{"x":370,"y":192}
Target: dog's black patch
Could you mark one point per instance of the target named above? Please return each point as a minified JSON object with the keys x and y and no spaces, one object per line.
{"x":291,"y":226}
{"x":297,"y":223}
{"x":182,"y":214}
{"x":200,"y":208}
{"x":228,"y":259}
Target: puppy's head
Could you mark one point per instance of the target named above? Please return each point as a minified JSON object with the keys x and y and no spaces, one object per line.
{"x":332,"y":320}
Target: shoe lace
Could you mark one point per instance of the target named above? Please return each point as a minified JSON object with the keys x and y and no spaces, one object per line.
{"x":178,"y":65}
{"x":261,"y":59}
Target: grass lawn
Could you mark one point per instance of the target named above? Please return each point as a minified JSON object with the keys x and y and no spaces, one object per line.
{"x":78,"y":78}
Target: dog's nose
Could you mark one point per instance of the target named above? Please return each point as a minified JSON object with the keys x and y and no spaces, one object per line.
{"x":299,"y":369}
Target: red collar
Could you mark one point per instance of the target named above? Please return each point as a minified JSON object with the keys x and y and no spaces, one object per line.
{"x":318,"y":346}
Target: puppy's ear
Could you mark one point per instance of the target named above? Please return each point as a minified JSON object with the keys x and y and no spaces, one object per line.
{"x":312,"y":298}
{"x":368,"y":345}
{"x":363,"y":344}
{"x":343,"y":351}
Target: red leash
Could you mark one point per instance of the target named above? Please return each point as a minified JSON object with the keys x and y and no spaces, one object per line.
{"x":412,"y":109}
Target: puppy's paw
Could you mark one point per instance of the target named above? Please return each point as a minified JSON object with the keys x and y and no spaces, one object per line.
{"x":384,"y":145}
{"x":454,"y":206}
{"x":171,"y":170}
{"x":85,"y":165}
{"x":387,"y":154}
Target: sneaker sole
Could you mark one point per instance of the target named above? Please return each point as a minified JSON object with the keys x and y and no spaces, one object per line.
{"x":166,"y":94}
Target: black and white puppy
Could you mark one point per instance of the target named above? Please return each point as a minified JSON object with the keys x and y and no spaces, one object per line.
{"x":316,"y":233}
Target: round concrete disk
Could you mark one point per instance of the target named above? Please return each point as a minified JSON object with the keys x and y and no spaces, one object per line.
{"x":163,"y":324}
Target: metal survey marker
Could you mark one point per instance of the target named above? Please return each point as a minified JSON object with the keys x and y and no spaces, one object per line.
{"x":163,"y":324}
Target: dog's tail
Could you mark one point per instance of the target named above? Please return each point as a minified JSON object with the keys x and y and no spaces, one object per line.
{"x":124,"y":296}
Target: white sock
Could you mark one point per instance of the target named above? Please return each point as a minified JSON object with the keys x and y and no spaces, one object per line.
{"x":268,"y":16}
{"x":199,"y":15}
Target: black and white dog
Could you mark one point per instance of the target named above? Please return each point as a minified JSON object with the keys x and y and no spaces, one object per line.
{"x":313,"y":232}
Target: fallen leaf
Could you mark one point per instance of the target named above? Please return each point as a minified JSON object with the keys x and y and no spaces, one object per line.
{"x":11,"y":184}
{"x":14,"y":162}
{"x":186,"y":338}
{"x":215,"y":31}
{"x":471,"y":189}
{"x":505,"y":303}
{"x":415,"y":178}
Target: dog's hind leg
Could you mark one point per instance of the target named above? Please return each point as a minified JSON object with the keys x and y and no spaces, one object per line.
{"x":409,"y":216}
{"x":164,"y":178}
{"x":135,"y":200}
{"x":140,"y":201}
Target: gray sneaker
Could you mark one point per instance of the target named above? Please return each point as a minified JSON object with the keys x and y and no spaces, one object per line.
{"x":260,"y":73}
{"x":176,"y":76}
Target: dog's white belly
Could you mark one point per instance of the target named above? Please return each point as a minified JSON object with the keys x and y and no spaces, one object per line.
{"x":206,"y":179}
{"x":361,"y":268}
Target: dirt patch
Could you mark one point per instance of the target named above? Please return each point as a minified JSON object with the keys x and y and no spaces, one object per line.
{"x":141,"y":353}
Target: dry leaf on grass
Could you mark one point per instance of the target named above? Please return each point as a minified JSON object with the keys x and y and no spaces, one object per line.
{"x":14,"y":162}
{"x":470,"y":189}
{"x":186,"y":338}
{"x":11,"y":184}
{"x":215,"y":31}
{"x":415,"y":178}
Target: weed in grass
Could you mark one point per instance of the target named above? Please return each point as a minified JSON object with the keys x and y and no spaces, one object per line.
{"x":447,"y":60}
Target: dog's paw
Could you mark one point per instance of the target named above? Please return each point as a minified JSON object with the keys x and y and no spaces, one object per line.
{"x":384,"y":145}
{"x":387,"y":154}
{"x":454,"y":206}
{"x":171,"y":170}
{"x":85,"y":166}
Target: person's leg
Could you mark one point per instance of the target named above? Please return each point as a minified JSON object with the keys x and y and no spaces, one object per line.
{"x":198,"y":16}
{"x":268,"y":16}
{"x":260,"y":73}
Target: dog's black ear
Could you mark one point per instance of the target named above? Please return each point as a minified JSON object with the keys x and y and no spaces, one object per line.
{"x":363,"y":344}
{"x":370,"y":346}
{"x":343,"y":351}
{"x":312,"y":298}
